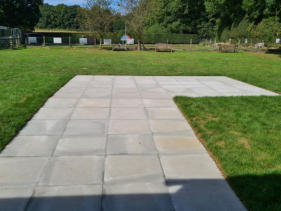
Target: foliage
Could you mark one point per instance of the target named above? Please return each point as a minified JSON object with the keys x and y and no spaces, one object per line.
{"x":268,"y":30}
{"x":183,"y":16}
{"x":23,"y":14}
{"x":59,"y":17}
{"x":242,"y":17}
{"x":98,"y":17}
{"x":138,"y":14}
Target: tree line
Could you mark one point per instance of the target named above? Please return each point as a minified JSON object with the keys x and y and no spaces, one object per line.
{"x":215,"y":19}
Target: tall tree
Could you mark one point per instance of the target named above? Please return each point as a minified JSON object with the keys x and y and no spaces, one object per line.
{"x":225,"y":13}
{"x":138,"y":14}
{"x":98,"y":17}
{"x":229,"y":13}
{"x":60,"y":16}
{"x":22,"y":14}
{"x":181,"y":16}
{"x":257,"y":10}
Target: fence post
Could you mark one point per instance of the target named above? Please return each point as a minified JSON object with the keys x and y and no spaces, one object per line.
{"x":25,"y":42}
{"x":11,"y":42}
{"x":44,"y":41}
{"x":190,"y":42}
{"x":69,"y":41}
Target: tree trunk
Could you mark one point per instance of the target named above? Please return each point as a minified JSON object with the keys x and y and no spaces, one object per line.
{"x":100,"y":43}
{"x":139,"y":45}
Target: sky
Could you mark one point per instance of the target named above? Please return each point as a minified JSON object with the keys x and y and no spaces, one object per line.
{"x":67,"y":2}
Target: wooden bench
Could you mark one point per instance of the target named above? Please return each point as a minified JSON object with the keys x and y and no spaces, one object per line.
{"x":228,"y":48}
{"x":119,"y":47}
{"x":163,"y":47}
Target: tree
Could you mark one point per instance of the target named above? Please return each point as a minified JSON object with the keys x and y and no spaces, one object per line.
{"x":226,"y":13}
{"x":22,"y":14}
{"x":139,"y":12}
{"x":98,"y":17}
{"x":60,"y":16}
{"x":182,"y":16}
{"x":257,"y":10}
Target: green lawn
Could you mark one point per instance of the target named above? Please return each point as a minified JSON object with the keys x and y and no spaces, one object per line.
{"x":243,"y":134}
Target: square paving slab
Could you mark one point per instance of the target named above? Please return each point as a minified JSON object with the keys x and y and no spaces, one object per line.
{"x":66,"y":198}
{"x":130,"y":144}
{"x":73,"y":170}
{"x":117,"y":143}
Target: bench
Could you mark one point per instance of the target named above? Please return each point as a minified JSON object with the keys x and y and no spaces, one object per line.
{"x":163,"y":47}
{"x":228,"y":48}
{"x":119,"y":47}
{"x":259,"y":45}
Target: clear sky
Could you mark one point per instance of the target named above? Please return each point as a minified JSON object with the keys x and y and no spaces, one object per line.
{"x":67,"y":2}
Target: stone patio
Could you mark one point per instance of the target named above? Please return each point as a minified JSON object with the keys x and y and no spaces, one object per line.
{"x":117,"y":143}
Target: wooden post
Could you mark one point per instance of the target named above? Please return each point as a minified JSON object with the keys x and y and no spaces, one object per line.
{"x":44,"y":41}
{"x":17,"y":41}
{"x":69,"y":41}
{"x":190,"y":42}
{"x":25,"y":42}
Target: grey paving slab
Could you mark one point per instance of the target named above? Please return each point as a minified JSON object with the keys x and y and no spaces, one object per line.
{"x":97,"y":93}
{"x":178,"y":144}
{"x":127,"y":95}
{"x":14,"y":198}
{"x":44,"y":127}
{"x":137,"y":197}
{"x":73,"y":170}
{"x":170,"y":126}
{"x":158,"y":103}
{"x":128,"y":113}
{"x":69,"y":92}
{"x":132,"y":168}
{"x":80,"y":145}
{"x":86,"y":127}
{"x":94,"y":102}
{"x":129,"y":127}
{"x":61,"y":103}
{"x":164,"y":113}
{"x":205,"y":195}
{"x":20,"y":171}
{"x":31,"y":146}
{"x":90,"y":113}
{"x":130,"y":144}
{"x":66,"y":198}
{"x":53,"y":113}
{"x":122,"y":133}
{"x":189,"y":166}
{"x":121,"y":102}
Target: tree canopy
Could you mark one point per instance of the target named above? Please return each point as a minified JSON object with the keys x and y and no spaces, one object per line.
{"x":59,"y":16}
{"x":22,"y":14}
{"x":223,"y":19}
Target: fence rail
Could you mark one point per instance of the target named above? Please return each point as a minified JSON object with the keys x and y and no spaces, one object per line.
{"x":188,"y":40}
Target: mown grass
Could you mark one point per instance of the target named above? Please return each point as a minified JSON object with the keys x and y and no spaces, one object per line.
{"x":244,"y":136}
{"x":242,"y":133}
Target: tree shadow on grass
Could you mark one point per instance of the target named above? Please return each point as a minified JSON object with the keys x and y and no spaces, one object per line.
{"x":257,"y":193}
